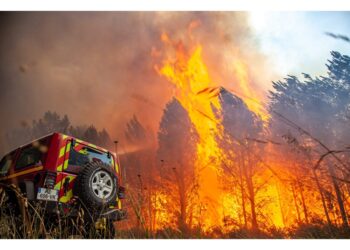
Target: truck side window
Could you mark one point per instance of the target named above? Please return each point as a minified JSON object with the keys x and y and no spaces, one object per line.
{"x":5,"y":164}
{"x":33,"y":154}
{"x":29,"y":156}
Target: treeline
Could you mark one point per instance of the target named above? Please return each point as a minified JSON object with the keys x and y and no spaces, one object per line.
{"x":291,"y":172}
{"x":312,"y":117}
{"x":53,"y":122}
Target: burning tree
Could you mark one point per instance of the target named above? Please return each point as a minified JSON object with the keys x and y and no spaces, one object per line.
{"x":224,"y":163}
{"x":199,"y":96}
{"x":177,"y":139}
{"x":313,"y":116}
{"x":242,"y":171}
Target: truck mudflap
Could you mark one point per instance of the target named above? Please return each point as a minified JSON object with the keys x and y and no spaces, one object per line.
{"x":115,"y":214}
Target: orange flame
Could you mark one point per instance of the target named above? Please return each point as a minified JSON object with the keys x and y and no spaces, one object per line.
{"x":250,"y":97}
{"x":190,"y":76}
{"x":198,"y":94}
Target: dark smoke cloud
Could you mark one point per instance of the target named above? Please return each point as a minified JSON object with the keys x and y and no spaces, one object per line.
{"x":97,"y":66}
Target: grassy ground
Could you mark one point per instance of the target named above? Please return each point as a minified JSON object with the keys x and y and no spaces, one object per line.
{"x":300,"y":232}
{"x":9,"y":229}
{"x":31,"y":224}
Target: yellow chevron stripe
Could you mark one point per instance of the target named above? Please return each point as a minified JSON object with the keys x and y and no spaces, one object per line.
{"x":67,"y":197}
{"x":57,"y":186}
{"x":119,"y":204}
{"x":68,"y":146}
{"x":117,"y":168}
{"x":59,"y":168}
{"x":71,"y":177}
{"x":115,"y":165}
{"x":62,"y":151}
{"x":65,"y":165}
{"x":64,"y":136}
{"x":83,"y":151}
{"x":22,"y":173}
{"x":69,"y":193}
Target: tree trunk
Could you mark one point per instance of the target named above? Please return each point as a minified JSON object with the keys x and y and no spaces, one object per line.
{"x":250,"y":186}
{"x":322,"y":198}
{"x":339,"y":198}
{"x":182,"y":222}
{"x":182,"y":198}
{"x":303,"y":202}
{"x":242,"y":192}
{"x":280,"y":205}
{"x":347,"y":184}
{"x":296,"y":203}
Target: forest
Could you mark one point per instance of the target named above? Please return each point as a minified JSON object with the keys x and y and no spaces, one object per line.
{"x":225,"y":171}
{"x":284,"y":177}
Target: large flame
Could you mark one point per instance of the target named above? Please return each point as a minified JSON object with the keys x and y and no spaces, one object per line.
{"x":185,"y":68}
{"x":198,"y":94}
{"x":191,"y":79}
{"x":280,"y":196}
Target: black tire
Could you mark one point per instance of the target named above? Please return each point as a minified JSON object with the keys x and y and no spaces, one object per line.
{"x":83,"y":189}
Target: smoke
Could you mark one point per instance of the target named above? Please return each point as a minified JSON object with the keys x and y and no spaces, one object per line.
{"x":97,"y":67}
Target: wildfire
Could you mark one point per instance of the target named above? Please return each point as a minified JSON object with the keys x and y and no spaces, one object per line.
{"x":198,"y":94}
{"x":222,"y":206}
{"x":250,"y":97}
{"x":190,"y":76}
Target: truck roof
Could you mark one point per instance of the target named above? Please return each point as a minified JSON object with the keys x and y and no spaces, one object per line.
{"x":63,"y":136}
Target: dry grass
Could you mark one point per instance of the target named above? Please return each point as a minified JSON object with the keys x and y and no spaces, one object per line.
{"x":23,"y":219}
{"x":69,"y":229}
{"x":31,"y":223}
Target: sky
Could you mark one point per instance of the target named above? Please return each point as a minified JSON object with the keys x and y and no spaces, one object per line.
{"x":295,"y":42}
{"x":99,"y":67}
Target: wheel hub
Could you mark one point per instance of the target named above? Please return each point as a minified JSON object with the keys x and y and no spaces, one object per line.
{"x":102,"y":184}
